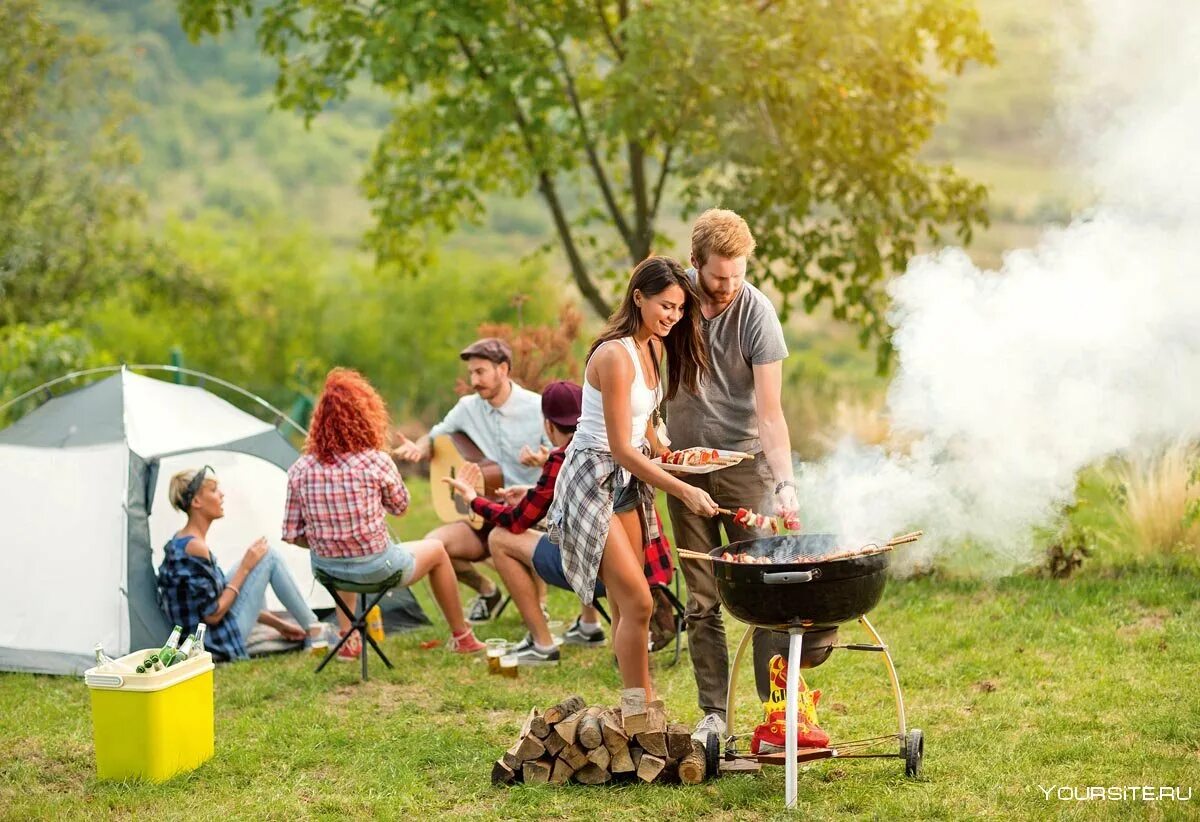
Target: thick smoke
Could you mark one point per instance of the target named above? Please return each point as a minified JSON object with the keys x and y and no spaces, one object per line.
{"x":1010,"y":382}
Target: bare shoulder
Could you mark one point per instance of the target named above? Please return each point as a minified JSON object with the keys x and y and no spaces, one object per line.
{"x":609,"y":361}
{"x":197,"y":547}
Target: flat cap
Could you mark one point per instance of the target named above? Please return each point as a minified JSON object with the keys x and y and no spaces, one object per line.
{"x":489,"y":348}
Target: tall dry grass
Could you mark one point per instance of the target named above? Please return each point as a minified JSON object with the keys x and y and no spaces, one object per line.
{"x":1157,"y":491}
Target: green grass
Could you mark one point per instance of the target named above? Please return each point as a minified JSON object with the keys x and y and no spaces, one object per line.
{"x":1017,"y":683}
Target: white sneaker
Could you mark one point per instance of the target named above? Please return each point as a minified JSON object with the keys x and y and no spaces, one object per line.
{"x":712,"y":723}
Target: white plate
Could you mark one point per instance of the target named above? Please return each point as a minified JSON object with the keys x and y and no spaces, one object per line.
{"x":734,"y":458}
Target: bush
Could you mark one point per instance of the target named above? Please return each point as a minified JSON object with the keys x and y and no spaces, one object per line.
{"x":1156,"y":497}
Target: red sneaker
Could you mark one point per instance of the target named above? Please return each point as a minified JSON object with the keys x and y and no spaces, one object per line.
{"x":465,"y":643}
{"x":351,"y":649}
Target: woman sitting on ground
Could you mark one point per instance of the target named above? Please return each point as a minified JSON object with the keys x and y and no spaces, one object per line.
{"x":339,"y":494}
{"x":193,"y":588}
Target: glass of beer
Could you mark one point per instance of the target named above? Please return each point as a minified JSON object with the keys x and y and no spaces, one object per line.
{"x":508,"y":666}
{"x":496,"y":648}
{"x":556,"y":627}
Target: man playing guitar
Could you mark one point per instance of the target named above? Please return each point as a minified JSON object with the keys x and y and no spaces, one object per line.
{"x":505,"y":421}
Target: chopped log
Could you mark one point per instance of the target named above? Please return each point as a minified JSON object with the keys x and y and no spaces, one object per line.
{"x":554,"y":744}
{"x":574,"y":756}
{"x":529,"y":747}
{"x":650,"y":767}
{"x":679,"y":740}
{"x":652,"y":719}
{"x":636,"y":754}
{"x":591,"y":774}
{"x":589,"y":734}
{"x":562,"y":710}
{"x":562,"y":772}
{"x":539,"y":727}
{"x":502,"y":774}
{"x":536,"y":772}
{"x":567,"y":727}
{"x":614,"y":736}
{"x":653,"y":743}
{"x":600,"y":757}
{"x":691,"y":767}
{"x":510,"y":759}
{"x":622,"y":762}
{"x":633,"y":710}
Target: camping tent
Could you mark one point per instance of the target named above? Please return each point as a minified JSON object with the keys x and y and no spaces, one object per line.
{"x":83,"y":499}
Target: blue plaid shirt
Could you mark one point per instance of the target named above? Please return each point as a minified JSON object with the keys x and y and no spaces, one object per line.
{"x":188,"y":588}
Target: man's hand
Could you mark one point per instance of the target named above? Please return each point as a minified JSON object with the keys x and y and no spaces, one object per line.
{"x":787,"y":506}
{"x":292,"y":631}
{"x":513,"y":494}
{"x":534,"y":459}
{"x":460,"y":488}
{"x":407,"y":450}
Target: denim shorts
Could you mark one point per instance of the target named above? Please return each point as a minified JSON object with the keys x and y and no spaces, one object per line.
{"x":371,"y":568}
{"x":547,"y":563}
{"x":627,"y":496}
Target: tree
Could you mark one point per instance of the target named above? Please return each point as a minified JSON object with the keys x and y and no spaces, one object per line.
{"x":65,"y":200}
{"x":808,"y":117}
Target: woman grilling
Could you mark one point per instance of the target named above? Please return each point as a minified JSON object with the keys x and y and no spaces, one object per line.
{"x":603,"y":505}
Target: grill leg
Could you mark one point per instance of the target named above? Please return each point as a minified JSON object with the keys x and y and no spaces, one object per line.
{"x":795,"y":649}
{"x":731,"y":692}
{"x":891,"y":669}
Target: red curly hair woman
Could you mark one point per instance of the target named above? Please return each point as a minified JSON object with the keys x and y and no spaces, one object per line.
{"x":339,"y":494}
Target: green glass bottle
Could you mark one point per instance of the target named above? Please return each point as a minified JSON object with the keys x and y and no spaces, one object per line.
{"x":168,"y":651}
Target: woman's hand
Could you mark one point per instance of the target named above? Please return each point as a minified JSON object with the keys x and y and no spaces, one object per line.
{"x":292,"y":631}
{"x":255,"y":553}
{"x":698,"y":501}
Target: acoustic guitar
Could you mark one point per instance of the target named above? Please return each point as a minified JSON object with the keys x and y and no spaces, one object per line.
{"x":449,"y":453}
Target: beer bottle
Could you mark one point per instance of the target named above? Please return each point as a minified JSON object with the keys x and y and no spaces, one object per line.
{"x":167,"y":652}
{"x":185,"y":650}
{"x":201,"y":630}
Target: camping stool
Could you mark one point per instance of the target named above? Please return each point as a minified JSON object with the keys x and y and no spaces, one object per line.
{"x":358,"y":621}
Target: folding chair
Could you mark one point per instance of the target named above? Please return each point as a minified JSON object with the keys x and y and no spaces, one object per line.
{"x":358,"y":618}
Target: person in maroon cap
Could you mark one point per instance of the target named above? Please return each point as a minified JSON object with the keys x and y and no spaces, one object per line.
{"x":522,"y":554}
{"x":504,"y":421}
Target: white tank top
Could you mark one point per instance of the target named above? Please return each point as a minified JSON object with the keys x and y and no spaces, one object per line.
{"x":591,"y":431}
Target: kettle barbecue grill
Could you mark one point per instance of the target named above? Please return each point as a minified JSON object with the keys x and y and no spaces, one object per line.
{"x":808,"y":588}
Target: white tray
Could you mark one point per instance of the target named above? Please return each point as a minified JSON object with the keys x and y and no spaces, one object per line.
{"x":728,"y":458}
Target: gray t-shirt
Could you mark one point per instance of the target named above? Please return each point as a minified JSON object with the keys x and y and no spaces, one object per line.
{"x":723,"y":413}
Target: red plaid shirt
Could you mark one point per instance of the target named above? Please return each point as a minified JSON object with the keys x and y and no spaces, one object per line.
{"x":339,"y":507}
{"x":532,"y":508}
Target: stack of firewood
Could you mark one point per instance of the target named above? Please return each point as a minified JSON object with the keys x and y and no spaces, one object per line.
{"x":597,"y":745}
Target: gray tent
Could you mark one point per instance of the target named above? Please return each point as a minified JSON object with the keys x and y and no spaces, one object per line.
{"x":83,"y":494}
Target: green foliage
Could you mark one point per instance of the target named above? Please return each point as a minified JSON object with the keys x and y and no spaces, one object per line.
{"x":807,"y":118}
{"x":65,"y":200}
{"x":33,"y":354}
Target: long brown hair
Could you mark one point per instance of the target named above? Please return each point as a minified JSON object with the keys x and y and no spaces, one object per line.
{"x":687,"y":353}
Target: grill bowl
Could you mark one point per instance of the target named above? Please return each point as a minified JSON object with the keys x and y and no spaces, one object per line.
{"x":775,"y":595}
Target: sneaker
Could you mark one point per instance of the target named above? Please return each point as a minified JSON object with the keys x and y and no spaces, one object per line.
{"x":712,"y":723}
{"x":465,"y":644}
{"x":575,"y":635}
{"x":350,"y":651}
{"x":533,"y":656}
{"x":482,"y":607}
{"x":525,"y":643}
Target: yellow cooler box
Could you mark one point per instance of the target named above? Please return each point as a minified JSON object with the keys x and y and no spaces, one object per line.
{"x":153,"y":725}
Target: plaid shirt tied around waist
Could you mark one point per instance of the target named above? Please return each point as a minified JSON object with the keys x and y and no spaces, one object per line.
{"x":536,"y":504}
{"x":582,"y":512}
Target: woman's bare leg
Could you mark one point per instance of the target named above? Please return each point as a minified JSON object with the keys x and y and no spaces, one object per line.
{"x":621,"y":571}
{"x":430,"y":558}
{"x":351,"y":602}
